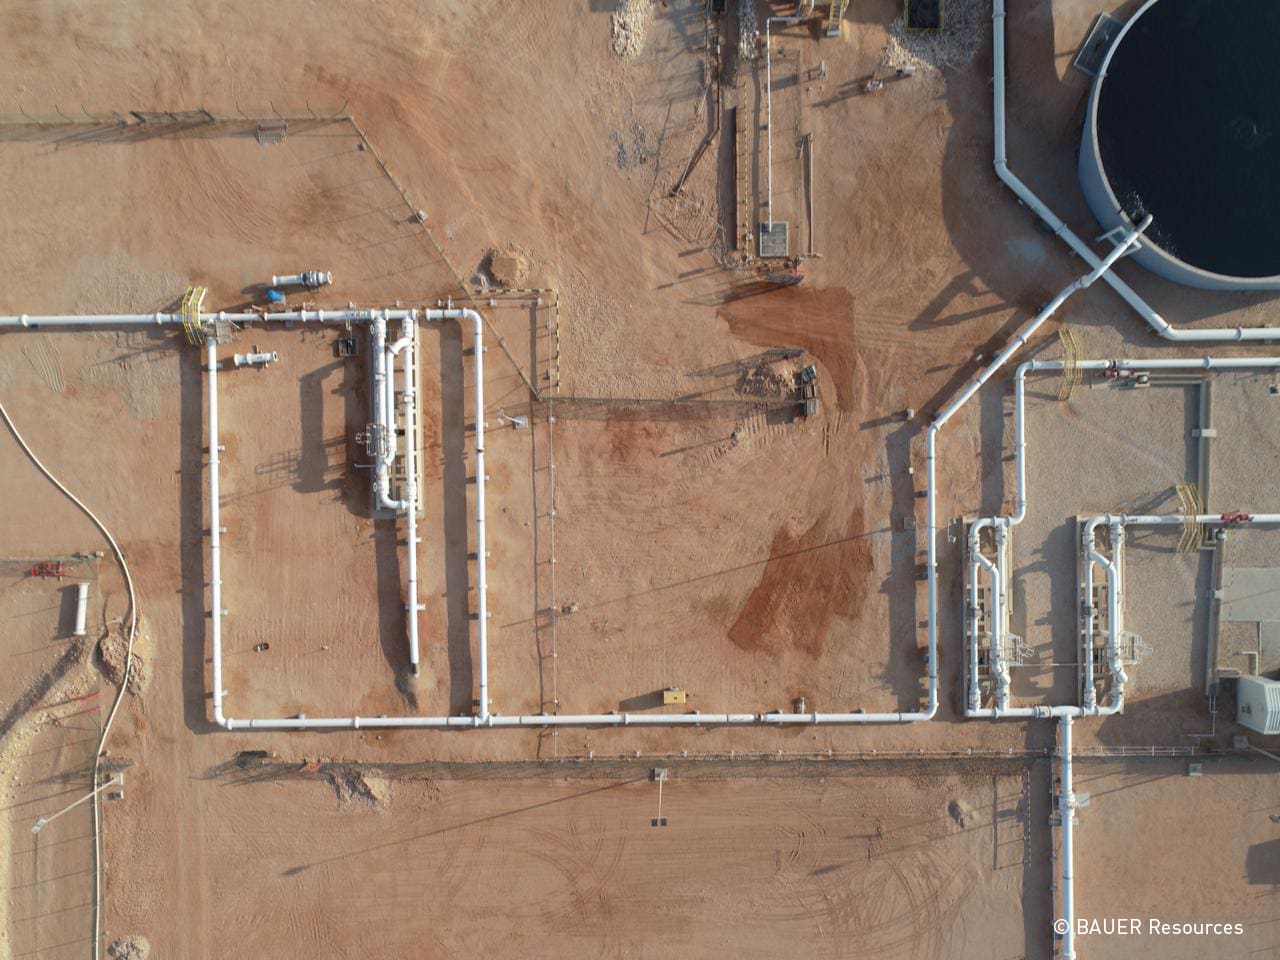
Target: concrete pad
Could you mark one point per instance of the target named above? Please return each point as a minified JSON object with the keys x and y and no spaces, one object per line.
{"x":1251,"y":593}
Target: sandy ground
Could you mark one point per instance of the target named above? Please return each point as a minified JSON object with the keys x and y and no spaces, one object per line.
{"x":748,"y":559}
{"x":867,"y":866}
{"x":1217,"y":861}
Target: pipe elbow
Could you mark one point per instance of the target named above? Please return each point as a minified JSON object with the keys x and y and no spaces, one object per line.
{"x":927,"y":714}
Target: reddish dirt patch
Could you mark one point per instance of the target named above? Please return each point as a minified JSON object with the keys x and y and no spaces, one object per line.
{"x":630,"y":441}
{"x":807,"y":581}
{"x":820,"y":321}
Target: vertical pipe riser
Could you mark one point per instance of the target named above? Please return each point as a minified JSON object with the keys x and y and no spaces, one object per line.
{"x":1066,"y":814}
{"x":482,"y":602}
{"x":215,"y":531}
{"x":411,"y":487}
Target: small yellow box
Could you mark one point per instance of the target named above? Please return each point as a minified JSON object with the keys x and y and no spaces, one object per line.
{"x":673,"y":695}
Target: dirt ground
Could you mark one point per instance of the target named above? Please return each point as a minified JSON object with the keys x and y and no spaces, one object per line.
{"x":894,"y":865}
{"x":1220,"y":825}
{"x":696,"y":538}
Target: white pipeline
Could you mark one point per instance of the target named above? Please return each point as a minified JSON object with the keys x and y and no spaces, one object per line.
{"x":34,"y":321}
{"x":215,"y":533}
{"x":408,"y":344}
{"x":1060,"y":228}
{"x":1066,"y":817}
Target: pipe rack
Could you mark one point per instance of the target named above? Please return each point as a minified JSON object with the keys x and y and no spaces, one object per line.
{"x":768,"y":101}
{"x":1116,"y":523}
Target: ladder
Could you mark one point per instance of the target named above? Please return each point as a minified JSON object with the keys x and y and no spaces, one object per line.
{"x":1070,"y":362}
{"x":835,"y":16}
{"x":192,"y":302}
{"x":1192,"y":532}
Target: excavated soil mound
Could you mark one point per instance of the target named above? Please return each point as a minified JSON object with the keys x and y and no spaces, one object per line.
{"x":112,"y":653}
{"x":359,"y":785}
{"x":129,"y":948}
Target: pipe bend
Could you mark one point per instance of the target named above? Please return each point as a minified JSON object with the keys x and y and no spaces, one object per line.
{"x":1025,"y":367}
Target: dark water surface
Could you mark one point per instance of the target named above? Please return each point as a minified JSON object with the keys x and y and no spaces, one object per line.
{"x":1189,"y":131}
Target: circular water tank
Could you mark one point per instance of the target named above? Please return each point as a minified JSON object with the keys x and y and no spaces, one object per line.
{"x":1183,"y":123}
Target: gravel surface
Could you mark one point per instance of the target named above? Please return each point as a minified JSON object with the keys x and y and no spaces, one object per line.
{"x":963,"y":31}
{"x":630,"y":25}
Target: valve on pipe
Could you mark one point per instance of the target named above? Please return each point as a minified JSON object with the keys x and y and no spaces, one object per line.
{"x":310,"y":279}
{"x":255,"y":359}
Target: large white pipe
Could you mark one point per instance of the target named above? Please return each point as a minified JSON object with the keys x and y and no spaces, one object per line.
{"x":1066,"y":817}
{"x":389,"y":406}
{"x":1089,"y":692}
{"x":1059,"y":227}
{"x":82,"y":608}
{"x":569,"y":720}
{"x":1207,"y":519}
{"x":32,"y":321}
{"x":378,"y":354}
{"x":407,"y":343}
{"x":215,"y":532}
